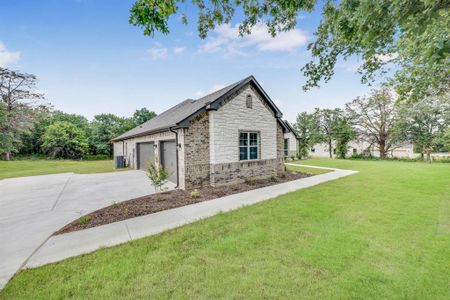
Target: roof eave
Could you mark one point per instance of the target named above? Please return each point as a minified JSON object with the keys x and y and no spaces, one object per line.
{"x":146,"y":133}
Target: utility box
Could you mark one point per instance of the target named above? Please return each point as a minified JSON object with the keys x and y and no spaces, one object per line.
{"x":119,"y":162}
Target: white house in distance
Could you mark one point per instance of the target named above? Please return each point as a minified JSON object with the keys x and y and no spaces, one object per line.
{"x":360,"y":147}
{"x":233,"y":134}
{"x":291,"y":139}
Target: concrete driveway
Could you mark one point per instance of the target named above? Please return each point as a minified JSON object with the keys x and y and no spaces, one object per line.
{"x":33,"y":208}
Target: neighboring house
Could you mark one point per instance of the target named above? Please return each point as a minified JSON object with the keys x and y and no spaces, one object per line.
{"x":361,"y":147}
{"x":231,"y":135}
{"x":291,"y":145}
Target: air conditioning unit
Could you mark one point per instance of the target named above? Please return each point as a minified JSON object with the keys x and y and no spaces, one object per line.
{"x":119,"y":162}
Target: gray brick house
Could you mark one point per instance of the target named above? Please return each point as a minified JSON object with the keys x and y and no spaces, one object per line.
{"x":233,"y":134}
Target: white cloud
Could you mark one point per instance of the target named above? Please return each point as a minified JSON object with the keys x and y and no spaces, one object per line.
{"x":7,"y":57}
{"x":385,"y":58}
{"x":178,"y":50}
{"x":157,"y":52}
{"x":226,"y":39}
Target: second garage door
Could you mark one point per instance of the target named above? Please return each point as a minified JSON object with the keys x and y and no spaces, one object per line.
{"x":146,"y":154}
{"x":169,"y":159}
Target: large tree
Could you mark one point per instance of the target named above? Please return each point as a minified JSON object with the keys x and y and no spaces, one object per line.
{"x":328,"y":122}
{"x":142,"y":115}
{"x":343,"y":134}
{"x":105,"y":127}
{"x":373,"y":118}
{"x":18,"y":95}
{"x":410,"y":34}
{"x":307,"y":127}
{"x":64,"y":140}
{"x":424,"y":123}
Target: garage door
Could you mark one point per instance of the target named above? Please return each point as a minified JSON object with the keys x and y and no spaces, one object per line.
{"x":146,"y":154}
{"x":169,"y":159}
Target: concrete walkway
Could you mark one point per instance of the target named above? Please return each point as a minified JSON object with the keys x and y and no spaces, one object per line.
{"x":79,"y":242}
{"x":33,"y":208}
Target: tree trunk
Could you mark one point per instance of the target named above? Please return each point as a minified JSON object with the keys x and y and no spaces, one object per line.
{"x":7,"y":155}
{"x":382,"y":147}
{"x":429,"y":156}
{"x":330,"y":146}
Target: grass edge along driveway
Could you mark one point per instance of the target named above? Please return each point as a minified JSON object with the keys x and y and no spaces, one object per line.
{"x":381,"y":233}
{"x":20,"y":168}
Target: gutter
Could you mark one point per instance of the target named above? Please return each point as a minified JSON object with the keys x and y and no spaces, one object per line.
{"x":176,"y":154}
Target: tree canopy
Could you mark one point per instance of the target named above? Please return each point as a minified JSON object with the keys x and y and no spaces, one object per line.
{"x":142,"y":115}
{"x":411,"y":35}
{"x":64,"y":140}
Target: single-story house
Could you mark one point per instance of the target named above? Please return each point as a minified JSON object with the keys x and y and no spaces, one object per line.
{"x":291,"y":141}
{"x":228,"y":136}
{"x":362,"y":147}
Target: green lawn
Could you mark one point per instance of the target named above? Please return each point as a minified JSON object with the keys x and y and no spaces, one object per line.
{"x":311,"y":171}
{"x":383,"y":233}
{"x":18,"y":168}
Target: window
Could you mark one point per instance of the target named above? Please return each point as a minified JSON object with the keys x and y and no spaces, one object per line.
{"x":286,"y":147}
{"x":248,"y":145}
{"x":354,"y":150}
{"x":334,"y":151}
{"x":313,"y":150}
{"x":248,"y":101}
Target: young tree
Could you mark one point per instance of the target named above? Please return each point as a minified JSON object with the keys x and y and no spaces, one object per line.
{"x":373,"y":118}
{"x":307,"y":127}
{"x":343,"y":134}
{"x":158,"y":175}
{"x":424,"y":123}
{"x":412,"y":35}
{"x":17,"y":93}
{"x":64,"y":140}
{"x":328,"y":120}
{"x":142,"y":115}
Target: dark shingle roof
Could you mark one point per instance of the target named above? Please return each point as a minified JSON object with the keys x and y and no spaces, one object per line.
{"x":183,"y":111}
{"x":290,"y":128}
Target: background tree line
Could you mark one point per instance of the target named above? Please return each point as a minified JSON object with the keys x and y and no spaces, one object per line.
{"x":382,"y":121}
{"x":30,"y":127}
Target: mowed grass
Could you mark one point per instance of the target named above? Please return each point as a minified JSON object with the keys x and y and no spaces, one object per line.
{"x":311,"y":171}
{"x":19,"y":168}
{"x":383,"y":233}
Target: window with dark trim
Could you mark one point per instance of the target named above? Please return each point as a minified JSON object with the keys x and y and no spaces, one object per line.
{"x":248,"y":101}
{"x":248,"y":145}
{"x":354,"y":151}
{"x":286,"y":147}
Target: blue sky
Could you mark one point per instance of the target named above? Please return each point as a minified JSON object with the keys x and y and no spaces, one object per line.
{"x":89,"y":60}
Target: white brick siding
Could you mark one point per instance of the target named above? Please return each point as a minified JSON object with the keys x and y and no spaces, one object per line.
{"x":293,"y":143}
{"x":226,"y":122}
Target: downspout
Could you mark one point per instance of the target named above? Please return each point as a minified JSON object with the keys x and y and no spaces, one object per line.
{"x":176,"y":153}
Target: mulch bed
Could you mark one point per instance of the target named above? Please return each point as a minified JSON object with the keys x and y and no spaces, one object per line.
{"x":167,"y":200}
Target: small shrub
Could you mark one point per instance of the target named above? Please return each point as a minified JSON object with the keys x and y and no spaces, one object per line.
{"x":234,"y":187}
{"x":195,"y":194}
{"x":115,"y":205}
{"x":356,"y":156}
{"x":249,"y":181}
{"x":292,"y":157}
{"x":125,"y":211}
{"x":84,"y":219}
{"x":274,"y":178}
{"x":157,"y":175}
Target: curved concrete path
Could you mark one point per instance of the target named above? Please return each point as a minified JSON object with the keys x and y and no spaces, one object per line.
{"x":33,"y":208}
{"x":84,"y":241}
